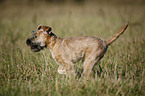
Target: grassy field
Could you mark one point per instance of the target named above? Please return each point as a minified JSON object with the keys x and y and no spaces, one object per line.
{"x":24,"y":73}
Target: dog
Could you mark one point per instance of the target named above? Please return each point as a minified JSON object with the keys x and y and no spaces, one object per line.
{"x":67,"y":51}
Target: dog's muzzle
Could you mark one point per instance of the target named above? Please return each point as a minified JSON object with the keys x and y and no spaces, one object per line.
{"x":34,"y":47}
{"x":28,"y":42}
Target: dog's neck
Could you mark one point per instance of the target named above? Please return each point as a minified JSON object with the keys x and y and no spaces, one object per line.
{"x":52,"y":41}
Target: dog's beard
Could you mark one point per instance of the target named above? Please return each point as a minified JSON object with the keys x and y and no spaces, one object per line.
{"x":36,"y":47}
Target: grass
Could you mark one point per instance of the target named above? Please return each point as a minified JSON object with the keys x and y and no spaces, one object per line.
{"x":23,"y":72}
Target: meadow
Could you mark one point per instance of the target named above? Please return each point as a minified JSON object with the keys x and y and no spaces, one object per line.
{"x":24,"y":73}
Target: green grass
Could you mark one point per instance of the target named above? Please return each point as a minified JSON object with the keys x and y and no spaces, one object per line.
{"x":24,"y":73}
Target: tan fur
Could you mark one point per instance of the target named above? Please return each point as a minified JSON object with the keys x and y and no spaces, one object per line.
{"x":67,"y":51}
{"x":115,"y":36}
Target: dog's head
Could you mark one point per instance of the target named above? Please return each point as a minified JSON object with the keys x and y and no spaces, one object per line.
{"x":40,"y":38}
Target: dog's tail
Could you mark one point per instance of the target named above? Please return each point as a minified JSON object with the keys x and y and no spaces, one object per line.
{"x":115,"y":36}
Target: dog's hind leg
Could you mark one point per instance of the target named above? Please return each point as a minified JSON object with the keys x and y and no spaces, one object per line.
{"x":88,"y":66}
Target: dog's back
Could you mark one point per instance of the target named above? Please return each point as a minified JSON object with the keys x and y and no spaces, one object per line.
{"x":78,"y":47}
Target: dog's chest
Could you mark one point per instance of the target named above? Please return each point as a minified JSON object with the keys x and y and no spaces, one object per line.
{"x":53,"y":56}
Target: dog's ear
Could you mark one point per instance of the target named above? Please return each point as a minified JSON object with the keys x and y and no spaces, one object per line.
{"x":39,"y":27}
{"x":49,"y":30}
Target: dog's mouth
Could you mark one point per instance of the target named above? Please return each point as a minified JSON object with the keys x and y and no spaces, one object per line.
{"x":36,"y":47}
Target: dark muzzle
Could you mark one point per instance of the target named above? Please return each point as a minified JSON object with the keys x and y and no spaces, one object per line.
{"x":28,"y":42}
{"x":34,"y":47}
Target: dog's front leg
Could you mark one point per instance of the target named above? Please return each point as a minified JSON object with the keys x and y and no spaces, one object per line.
{"x":70,"y":70}
{"x":61,"y":70}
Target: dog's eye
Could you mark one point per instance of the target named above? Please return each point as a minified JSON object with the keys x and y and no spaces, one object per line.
{"x":34,"y":36}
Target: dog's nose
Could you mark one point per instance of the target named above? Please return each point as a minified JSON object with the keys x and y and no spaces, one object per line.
{"x":28,"y":41}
